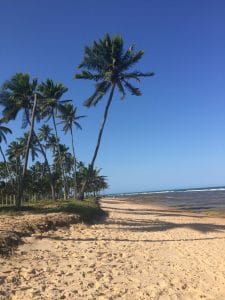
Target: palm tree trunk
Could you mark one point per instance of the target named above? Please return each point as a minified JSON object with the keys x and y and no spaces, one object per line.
{"x":6,"y":164}
{"x":17,"y":178}
{"x":81,"y":195}
{"x":52,"y":185}
{"x":61,"y":165}
{"x":75,"y":163}
{"x":51,"y":182}
{"x":18,"y":204}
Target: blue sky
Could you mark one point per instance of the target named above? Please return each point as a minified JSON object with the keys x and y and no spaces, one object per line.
{"x":172,"y":136}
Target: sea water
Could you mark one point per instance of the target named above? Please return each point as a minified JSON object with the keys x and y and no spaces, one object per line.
{"x":195,"y":199}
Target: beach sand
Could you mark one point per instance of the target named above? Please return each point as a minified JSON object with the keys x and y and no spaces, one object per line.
{"x":139,"y":251}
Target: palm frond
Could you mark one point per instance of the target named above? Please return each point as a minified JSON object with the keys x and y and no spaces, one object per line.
{"x":100,"y":90}
{"x":78,"y":125}
{"x":88,"y":76}
{"x":121,"y":90}
{"x":133,"y":59}
{"x":133,"y":90}
{"x":135,"y":75}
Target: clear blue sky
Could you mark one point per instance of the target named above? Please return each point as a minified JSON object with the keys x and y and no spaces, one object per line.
{"x":172,"y":136}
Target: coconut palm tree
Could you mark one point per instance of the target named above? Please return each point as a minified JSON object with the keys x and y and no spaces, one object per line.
{"x":3,"y":131}
{"x":15,"y":153}
{"x":34,"y":147}
{"x":20,"y":94}
{"x":64,"y":160}
{"x":50,"y":107}
{"x":108,"y":64}
{"x":17,"y":94}
{"x":52,"y":143}
{"x":44,"y":135}
{"x":69,"y":118}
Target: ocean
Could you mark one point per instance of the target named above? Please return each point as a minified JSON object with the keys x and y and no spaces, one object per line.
{"x":190,"y":199}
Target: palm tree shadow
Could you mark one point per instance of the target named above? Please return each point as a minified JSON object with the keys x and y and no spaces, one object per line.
{"x":162,"y":213}
{"x":139,"y":225}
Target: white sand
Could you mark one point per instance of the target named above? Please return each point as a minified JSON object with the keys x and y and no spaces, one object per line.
{"x":138,"y":252}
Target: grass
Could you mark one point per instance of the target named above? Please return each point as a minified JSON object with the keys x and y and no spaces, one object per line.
{"x":89,"y":209}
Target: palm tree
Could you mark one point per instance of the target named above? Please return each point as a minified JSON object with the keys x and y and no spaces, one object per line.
{"x":15,"y":153}
{"x":95,"y":182}
{"x":52,"y":143}
{"x":44,"y":135}
{"x":69,"y":118}
{"x":64,"y":159}
{"x":19,"y":94}
{"x":108,"y":64}
{"x":3,"y":131}
{"x":34,"y":147}
{"x":53,"y":92}
{"x":44,"y":132}
{"x":24,"y":141}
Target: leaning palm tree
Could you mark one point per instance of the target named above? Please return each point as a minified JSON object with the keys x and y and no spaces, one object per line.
{"x":19,"y":94}
{"x":69,"y":118}
{"x":50,"y":107}
{"x":3,"y":131}
{"x":108,"y":64}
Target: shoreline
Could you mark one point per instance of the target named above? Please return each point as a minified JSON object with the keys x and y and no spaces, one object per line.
{"x":152,"y":201}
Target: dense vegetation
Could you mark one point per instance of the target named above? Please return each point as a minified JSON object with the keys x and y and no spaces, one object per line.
{"x":55,"y":171}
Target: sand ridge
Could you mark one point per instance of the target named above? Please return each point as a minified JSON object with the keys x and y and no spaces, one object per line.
{"x":138,"y":252}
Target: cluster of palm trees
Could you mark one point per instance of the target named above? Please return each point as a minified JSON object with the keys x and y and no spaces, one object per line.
{"x":108,"y":65}
{"x":41,"y":103}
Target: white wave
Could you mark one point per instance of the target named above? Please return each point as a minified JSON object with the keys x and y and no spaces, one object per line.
{"x":172,"y":191}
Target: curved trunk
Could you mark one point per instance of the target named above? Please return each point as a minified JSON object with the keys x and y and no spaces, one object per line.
{"x":51,"y":182}
{"x":18,"y":204}
{"x":32,"y":132}
{"x":81,"y":195}
{"x":48,"y":167}
{"x":75,"y":163}
{"x":59,"y":152}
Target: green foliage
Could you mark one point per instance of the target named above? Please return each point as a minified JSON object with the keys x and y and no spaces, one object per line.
{"x":108,"y":63}
{"x":89,"y":209}
{"x":17,"y":94}
{"x":59,"y":173}
{"x":68,"y":115}
{"x":3,"y":131}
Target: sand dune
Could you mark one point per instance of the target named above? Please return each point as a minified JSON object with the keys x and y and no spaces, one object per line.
{"x":138,"y":252}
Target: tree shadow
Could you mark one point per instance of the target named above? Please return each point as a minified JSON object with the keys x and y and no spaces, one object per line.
{"x":162,"y":213}
{"x":159,"y":225}
{"x":95,"y":239}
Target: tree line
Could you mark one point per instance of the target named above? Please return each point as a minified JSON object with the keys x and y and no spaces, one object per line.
{"x":60,"y":173}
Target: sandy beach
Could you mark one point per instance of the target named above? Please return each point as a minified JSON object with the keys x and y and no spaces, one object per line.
{"x":138,"y":252}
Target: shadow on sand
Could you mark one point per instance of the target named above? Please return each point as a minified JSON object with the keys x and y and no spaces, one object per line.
{"x":59,"y":238}
{"x":141,"y":225}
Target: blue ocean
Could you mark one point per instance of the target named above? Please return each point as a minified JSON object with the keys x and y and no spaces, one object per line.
{"x":194,"y":199}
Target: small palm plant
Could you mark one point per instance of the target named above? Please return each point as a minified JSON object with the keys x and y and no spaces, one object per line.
{"x":109,"y":65}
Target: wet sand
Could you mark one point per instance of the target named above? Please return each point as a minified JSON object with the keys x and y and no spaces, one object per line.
{"x":139,"y":251}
